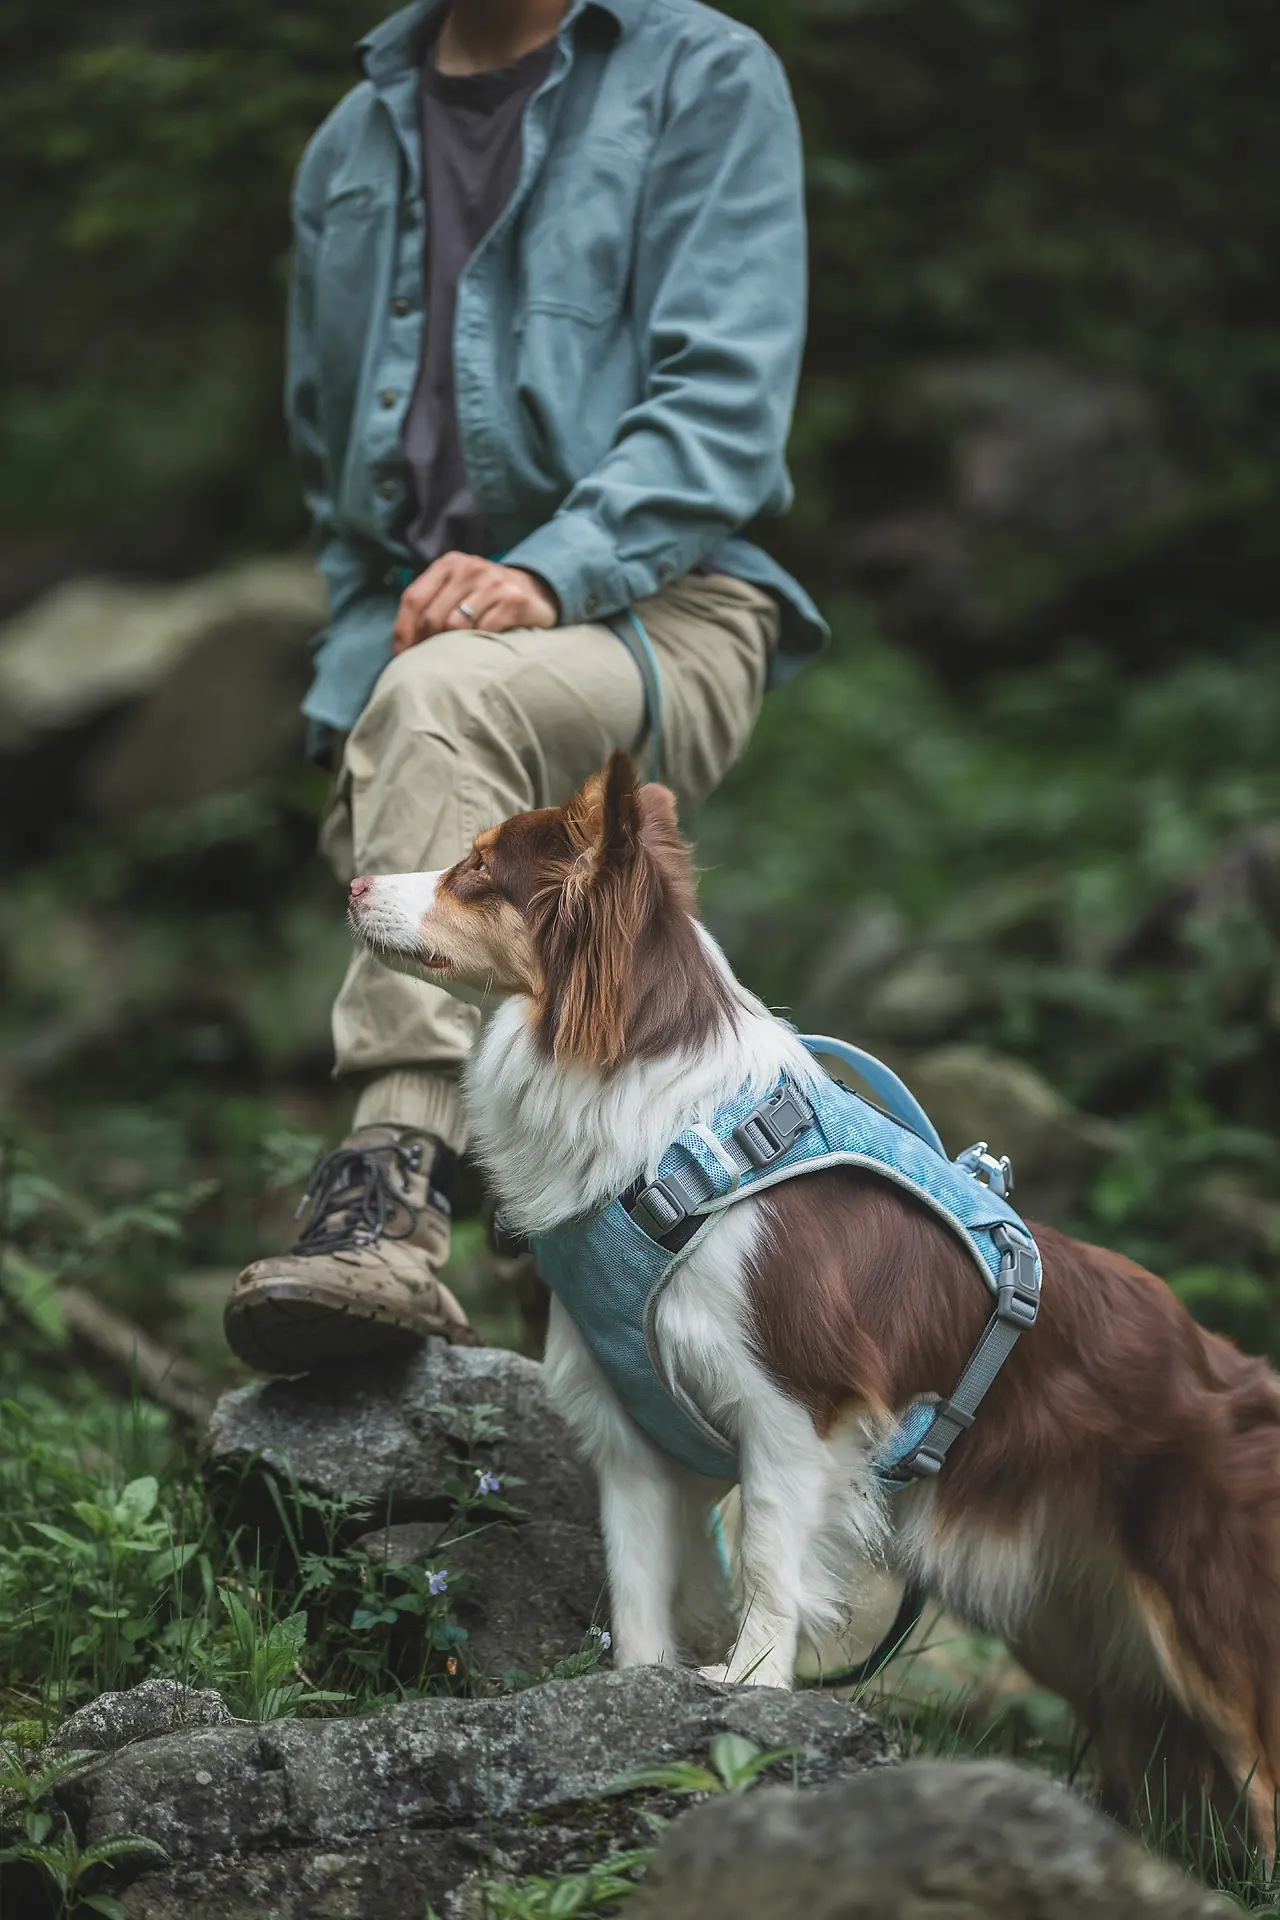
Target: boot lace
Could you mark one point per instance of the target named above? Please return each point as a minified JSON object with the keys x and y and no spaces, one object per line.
{"x":354,"y":1193}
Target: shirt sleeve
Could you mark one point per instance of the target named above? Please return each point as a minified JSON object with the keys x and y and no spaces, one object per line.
{"x":344,"y":570}
{"x":720,"y":299}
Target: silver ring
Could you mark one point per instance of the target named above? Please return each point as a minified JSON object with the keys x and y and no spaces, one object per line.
{"x":470,"y":612}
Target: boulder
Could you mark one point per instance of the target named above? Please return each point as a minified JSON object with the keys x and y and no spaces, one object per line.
{"x":389,"y":1432}
{"x":92,"y":644}
{"x":137,"y":696}
{"x":532,"y":1593}
{"x":978,"y":1840}
{"x":140,"y":1713}
{"x":393,"y":1435}
{"x":394,"y":1812}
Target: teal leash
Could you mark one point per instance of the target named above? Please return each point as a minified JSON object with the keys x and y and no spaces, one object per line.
{"x":640,"y":647}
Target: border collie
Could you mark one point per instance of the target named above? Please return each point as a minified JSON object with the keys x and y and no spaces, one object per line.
{"x":1114,"y":1513}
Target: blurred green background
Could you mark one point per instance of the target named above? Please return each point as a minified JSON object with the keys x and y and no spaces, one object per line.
{"x":1020,"y":830}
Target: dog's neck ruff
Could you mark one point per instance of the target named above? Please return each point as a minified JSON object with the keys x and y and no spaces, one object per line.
{"x":609,"y":1266}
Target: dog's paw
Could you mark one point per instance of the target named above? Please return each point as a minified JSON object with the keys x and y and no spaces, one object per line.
{"x":720,"y":1675}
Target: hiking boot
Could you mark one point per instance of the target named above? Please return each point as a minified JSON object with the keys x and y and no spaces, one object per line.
{"x":362,"y":1277}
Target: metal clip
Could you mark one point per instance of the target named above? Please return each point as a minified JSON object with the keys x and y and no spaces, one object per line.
{"x":998,"y":1174}
{"x":776,"y":1124}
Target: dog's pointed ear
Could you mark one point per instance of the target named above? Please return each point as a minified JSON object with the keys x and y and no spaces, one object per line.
{"x":620,"y":815}
{"x":604,"y":820}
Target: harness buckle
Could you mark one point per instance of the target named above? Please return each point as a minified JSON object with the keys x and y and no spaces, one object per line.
{"x":998,"y":1174}
{"x":1018,"y":1286}
{"x":657,"y":1209}
{"x":776,"y":1124}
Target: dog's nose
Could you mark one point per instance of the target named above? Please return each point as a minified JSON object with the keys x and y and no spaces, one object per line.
{"x":360,"y":886}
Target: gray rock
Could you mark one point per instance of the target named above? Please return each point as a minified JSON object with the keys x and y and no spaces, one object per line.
{"x":533,"y":1591}
{"x":926,"y":996}
{"x":392,"y":1434}
{"x":141,"y":1713}
{"x":379,"y":1817}
{"x":93,"y":644}
{"x":971,"y":1841}
{"x":387,"y":1432}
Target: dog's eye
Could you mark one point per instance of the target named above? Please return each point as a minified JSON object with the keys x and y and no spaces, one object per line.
{"x":482,"y":869}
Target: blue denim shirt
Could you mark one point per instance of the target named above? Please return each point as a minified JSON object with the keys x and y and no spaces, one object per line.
{"x":627,"y":340}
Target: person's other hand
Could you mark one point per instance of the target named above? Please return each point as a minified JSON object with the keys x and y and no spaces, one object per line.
{"x":462,"y":590}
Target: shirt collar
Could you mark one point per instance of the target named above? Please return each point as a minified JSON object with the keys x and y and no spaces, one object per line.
{"x":398,"y":42}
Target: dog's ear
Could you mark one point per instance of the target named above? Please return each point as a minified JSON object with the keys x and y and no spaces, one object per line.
{"x":604,"y":820}
{"x":608,"y":891}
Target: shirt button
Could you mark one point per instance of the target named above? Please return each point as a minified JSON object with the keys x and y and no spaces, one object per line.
{"x":388,"y":489}
{"x":400,"y":306}
{"x":666,"y":570}
{"x":388,"y":397}
{"x":590,"y":604}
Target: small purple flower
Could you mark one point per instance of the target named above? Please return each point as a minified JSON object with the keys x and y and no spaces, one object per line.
{"x":437,"y":1582}
{"x":606,"y":1639}
{"x":488,"y":1483}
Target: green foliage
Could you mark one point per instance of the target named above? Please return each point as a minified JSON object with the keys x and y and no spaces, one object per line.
{"x":35,"y":1836}
{"x":108,"y":1576}
{"x":736,"y":1763}
{"x":595,"y":1892}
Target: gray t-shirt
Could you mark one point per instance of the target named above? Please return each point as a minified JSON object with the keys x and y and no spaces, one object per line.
{"x":471,"y":150}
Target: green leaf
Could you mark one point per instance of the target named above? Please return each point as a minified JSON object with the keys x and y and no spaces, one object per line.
{"x":104,"y":1903}
{"x":739,"y":1761}
{"x":173,"y":1560}
{"x":137,"y":1502}
{"x":362,"y":1619}
{"x":61,"y":1538}
{"x":34,"y":1291}
{"x":568,"y":1898}
{"x":730,"y":1754}
{"x":679,"y":1776}
{"x":123,"y":1846}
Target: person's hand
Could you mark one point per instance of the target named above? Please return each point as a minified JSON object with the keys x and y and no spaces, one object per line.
{"x":462,"y":590}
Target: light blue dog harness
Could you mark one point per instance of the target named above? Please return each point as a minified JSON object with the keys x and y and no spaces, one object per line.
{"x":609,"y":1269}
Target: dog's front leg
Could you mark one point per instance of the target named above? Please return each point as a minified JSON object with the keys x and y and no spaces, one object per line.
{"x":640,"y":1508}
{"x":640,"y":1513}
{"x":783,"y":1499}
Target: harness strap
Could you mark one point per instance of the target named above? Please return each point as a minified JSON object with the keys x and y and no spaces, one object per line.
{"x":767,"y":1132}
{"x":1017,"y":1308}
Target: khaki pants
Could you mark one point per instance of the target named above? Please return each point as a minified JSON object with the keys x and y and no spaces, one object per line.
{"x":469,"y":728}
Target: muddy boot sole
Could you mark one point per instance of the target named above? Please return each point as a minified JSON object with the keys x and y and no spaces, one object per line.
{"x":293,"y":1326}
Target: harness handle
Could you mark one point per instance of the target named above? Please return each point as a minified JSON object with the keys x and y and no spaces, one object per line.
{"x":883,"y":1082}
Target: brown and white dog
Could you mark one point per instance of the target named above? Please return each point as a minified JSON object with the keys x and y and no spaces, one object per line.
{"x":1114,"y":1514}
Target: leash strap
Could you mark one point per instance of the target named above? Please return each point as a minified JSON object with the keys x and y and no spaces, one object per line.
{"x":905,"y":1621}
{"x":631,"y":632}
